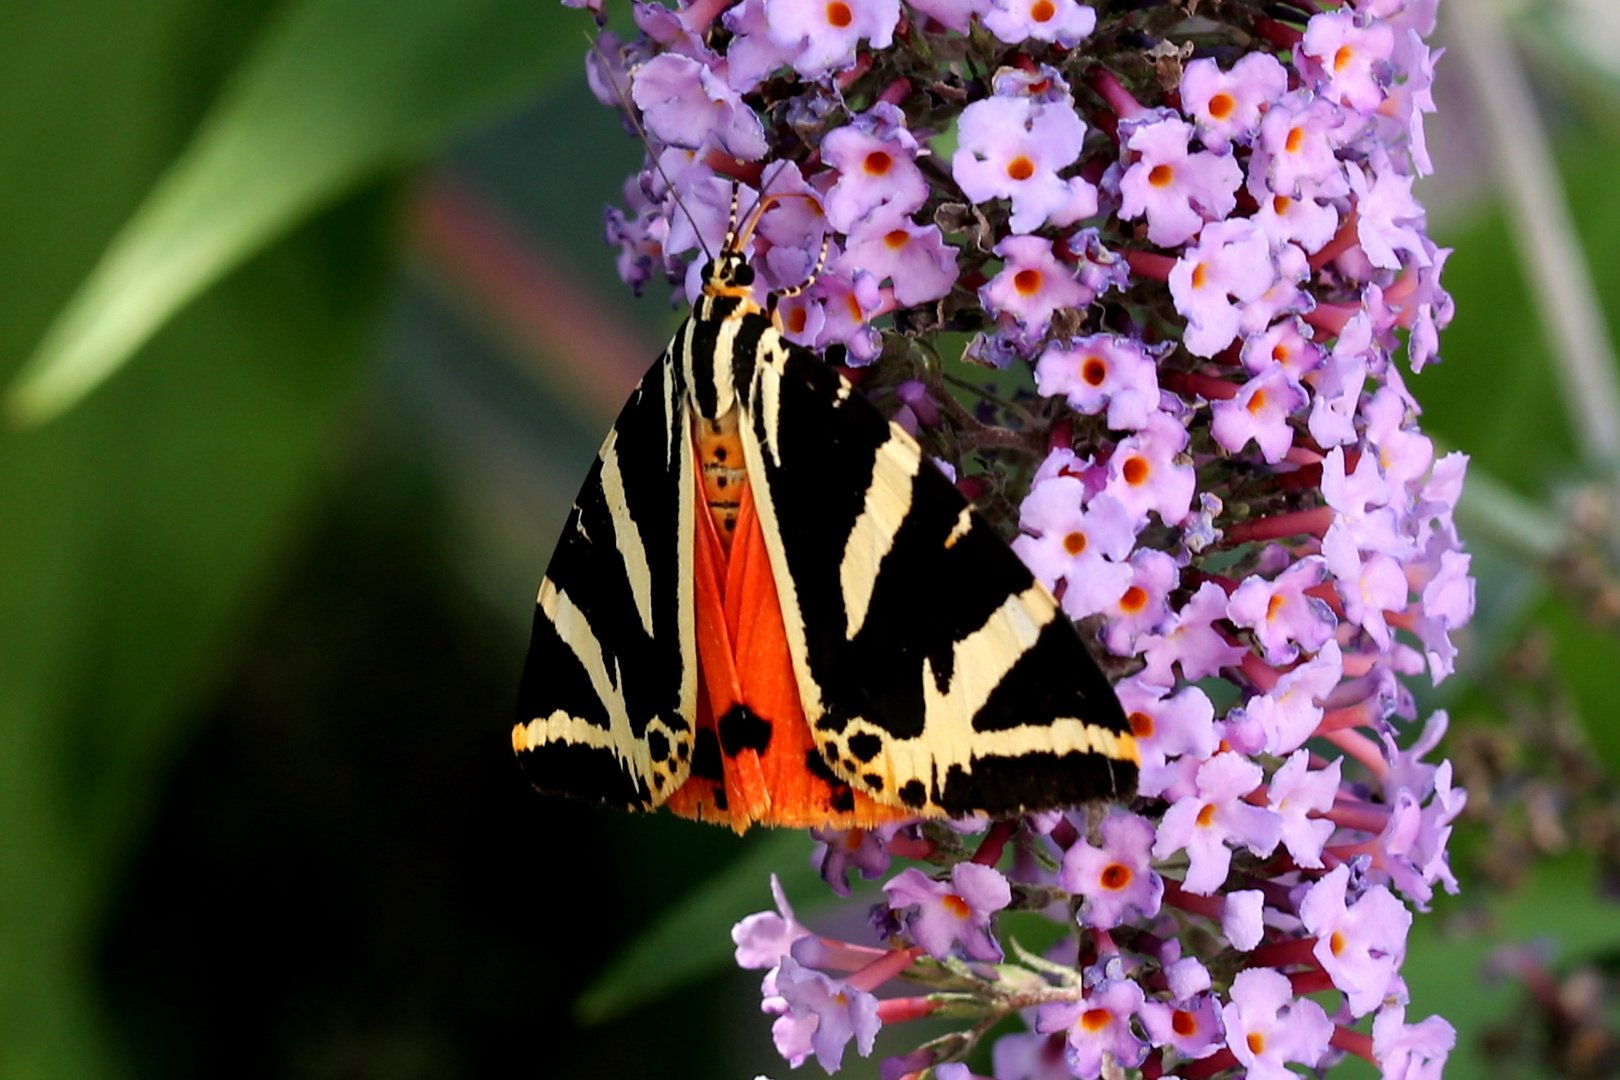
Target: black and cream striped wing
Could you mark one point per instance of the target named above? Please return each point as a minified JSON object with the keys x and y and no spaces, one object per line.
{"x":609,"y":690}
{"x":935,"y":671}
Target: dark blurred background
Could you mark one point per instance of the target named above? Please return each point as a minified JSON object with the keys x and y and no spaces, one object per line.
{"x":264,"y":593}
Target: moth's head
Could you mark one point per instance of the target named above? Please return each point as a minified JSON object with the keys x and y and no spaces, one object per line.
{"x":728,"y":274}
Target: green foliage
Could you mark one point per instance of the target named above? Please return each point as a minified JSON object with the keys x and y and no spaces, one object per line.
{"x":691,"y":938}
{"x":136,"y":532}
{"x":335,"y":93}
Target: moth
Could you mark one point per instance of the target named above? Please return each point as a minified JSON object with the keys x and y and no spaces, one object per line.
{"x":768,"y":606}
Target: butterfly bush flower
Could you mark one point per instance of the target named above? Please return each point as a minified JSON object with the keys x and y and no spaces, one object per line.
{"x":1197,"y":244}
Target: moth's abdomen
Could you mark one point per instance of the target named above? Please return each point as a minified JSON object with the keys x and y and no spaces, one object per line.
{"x":724,"y":476}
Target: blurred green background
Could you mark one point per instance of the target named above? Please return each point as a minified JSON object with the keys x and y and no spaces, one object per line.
{"x":264,"y":589}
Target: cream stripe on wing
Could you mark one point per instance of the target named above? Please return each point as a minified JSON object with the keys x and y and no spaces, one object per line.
{"x":888,"y":501}
{"x":626,"y":534}
{"x":575,"y":631}
{"x":980,"y":662}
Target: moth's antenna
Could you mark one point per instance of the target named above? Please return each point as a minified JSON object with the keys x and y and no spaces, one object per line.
{"x":635,"y":121}
{"x":815,"y":272}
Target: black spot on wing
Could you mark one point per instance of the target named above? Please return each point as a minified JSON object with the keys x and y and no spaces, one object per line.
{"x":865,"y":745}
{"x":1002,"y":785}
{"x":1054,"y":678}
{"x":706,"y":763}
{"x":913,"y":794}
{"x":741,"y":729}
{"x":583,"y":771}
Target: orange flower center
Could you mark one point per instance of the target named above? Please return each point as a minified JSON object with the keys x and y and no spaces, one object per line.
{"x":896,"y":239}
{"x":1296,"y":139}
{"x":1274,"y":607}
{"x":1161,"y":175}
{"x":1342,"y":58}
{"x":1020,"y":168}
{"x":1134,"y":600}
{"x":1257,"y":1043}
{"x":1115,"y":876}
{"x":1280,"y":204}
{"x":1183,"y":1023}
{"x":1093,"y":370}
{"x":1135,"y":471}
{"x":853,"y":838}
{"x":854,"y":308}
{"x":956,"y":906}
{"x":1141,"y":725}
{"x":1206,"y":815}
{"x":1221,"y":106}
{"x":1336,"y":943}
{"x":1027,"y":282}
{"x":1199,"y":276}
{"x":1257,"y":402}
{"x":1096,"y":1019}
{"x":877,"y":163}
{"x":796,"y":319}
{"x":1074,"y":543}
{"x":839,"y":15}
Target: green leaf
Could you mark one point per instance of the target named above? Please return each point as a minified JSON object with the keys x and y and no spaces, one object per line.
{"x":693,"y":938}
{"x":336,"y":92}
{"x":136,"y":533}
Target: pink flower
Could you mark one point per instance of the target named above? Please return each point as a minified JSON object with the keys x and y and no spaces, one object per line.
{"x":1227,"y":106}
{"x":1012,"y":148}
{"x":1064,"y":22}
{"x":823,"y":33}
{"x":1117,"y":878}
{"x":1205,"y":824}
{"x":1266,"y":1026}
{"x":1360,"y":945}
{"x":1178,"y":190}
{"x":1032,"y":284}
{"x":1231,"y":266}
{"x":1103,"y":370}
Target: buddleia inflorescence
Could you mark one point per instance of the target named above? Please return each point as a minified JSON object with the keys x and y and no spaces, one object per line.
{"x":1193,"y":224}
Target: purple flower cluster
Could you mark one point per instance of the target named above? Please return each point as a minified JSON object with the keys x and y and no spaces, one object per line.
{"x":1207,"y":251}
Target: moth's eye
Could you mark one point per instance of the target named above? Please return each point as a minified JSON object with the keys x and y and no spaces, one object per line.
{"x":708,"y":270}
{"x":743,"y":275}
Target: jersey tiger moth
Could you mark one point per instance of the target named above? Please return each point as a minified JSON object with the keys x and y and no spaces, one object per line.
{"x":768,"y":607}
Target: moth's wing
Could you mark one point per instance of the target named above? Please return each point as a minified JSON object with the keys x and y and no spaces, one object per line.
{"x":936,"y":673}
{"x":607,"y":703}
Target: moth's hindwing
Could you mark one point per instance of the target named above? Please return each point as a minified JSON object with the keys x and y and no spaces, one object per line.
{"x":935,"y":672}
{"x":609,"y":689}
